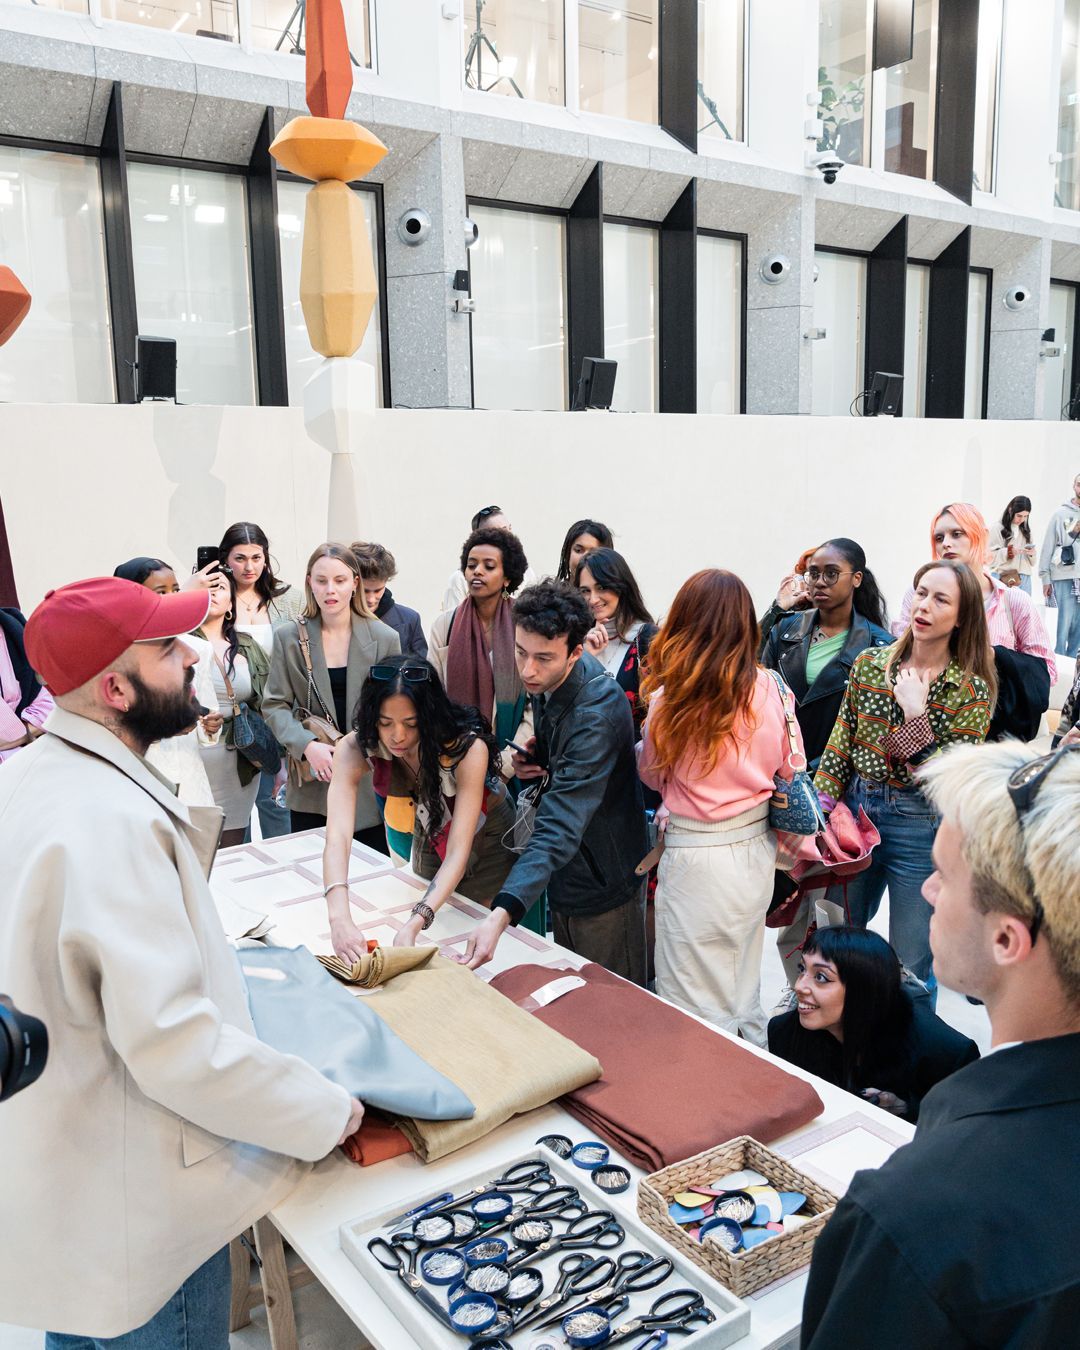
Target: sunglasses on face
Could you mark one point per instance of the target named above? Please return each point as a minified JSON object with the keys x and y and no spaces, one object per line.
{"x":410,"y":674}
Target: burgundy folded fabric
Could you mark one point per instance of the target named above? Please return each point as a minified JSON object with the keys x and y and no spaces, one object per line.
{"x":375,"y":1141}
{"x":671,"y":1087}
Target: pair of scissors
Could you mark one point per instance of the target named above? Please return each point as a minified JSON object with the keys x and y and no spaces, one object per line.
{"x":632,"y":1272}
{"x":595,"y":1228}
{"x":579,"y":1273}
{"x":391,"y":1256}
{"x":676,"y":1311}
{"x":525,"y":1176}
{"x":564,"y":1202}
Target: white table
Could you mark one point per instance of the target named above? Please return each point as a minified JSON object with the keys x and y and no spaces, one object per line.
{"x":283,"y":879}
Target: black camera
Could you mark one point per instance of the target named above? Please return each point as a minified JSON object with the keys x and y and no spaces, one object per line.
{"x":24,"y":1048}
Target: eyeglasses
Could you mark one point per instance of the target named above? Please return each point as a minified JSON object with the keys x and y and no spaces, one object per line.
{"x":410,"y":674}
{"x":1023,"y":785}
{"x":829,"y":575}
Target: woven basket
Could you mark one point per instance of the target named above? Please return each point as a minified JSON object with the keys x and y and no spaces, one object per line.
{"x":741,"y":1272}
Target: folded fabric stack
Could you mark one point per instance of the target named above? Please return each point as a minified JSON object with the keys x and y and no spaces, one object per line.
{"x":378,"y":966}
{"x":377,"y":1139}
{"x":671,"y":1087}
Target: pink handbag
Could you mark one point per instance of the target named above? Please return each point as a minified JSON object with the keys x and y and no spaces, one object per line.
{"x":841,"y":850}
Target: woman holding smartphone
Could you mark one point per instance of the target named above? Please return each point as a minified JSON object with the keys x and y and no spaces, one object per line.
{"x":434,"y":768}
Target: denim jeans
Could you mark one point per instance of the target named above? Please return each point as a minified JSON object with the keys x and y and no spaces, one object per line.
{"x":274,"y":820}
{"x":195,"y":1318}
{"x":1068,"y":611}
{"x":907,"y":825}
{"x":1025,"y":582}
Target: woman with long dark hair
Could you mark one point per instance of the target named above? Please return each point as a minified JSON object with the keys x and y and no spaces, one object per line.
{"x":903,"y":704}
{"x":581,"y":538}
{"x":623,"y":628}
{"x":857,"y":1023}
{"x":715,"y":736}
{"x":472,"y":646}
{"x":1012,"y":552}
{"x":435,"y":771}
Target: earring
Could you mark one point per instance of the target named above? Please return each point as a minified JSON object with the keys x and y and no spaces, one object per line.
{"x":228,"y":613}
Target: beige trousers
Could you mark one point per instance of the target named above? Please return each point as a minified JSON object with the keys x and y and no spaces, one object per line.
{"x":713,"y":888}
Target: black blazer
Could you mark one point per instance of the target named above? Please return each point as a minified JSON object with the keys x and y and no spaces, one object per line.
{"x":954,"y":1242}
{"x":817,"y":705}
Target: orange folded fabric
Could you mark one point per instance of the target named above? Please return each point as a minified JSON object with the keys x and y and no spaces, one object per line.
{"x":375,"y":1141}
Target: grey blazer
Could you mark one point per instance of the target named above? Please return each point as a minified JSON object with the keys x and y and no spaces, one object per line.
{"x":286,"y":694}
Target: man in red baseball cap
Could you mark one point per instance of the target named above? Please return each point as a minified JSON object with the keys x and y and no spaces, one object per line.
{"x":161,"y":1127}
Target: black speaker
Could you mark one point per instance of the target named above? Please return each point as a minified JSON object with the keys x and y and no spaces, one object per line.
{"x":155,"y":368}
{"x":883,"y":397}
{"x":596,"y":387}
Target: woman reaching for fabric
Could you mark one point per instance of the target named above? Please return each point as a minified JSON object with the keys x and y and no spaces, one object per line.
{"x":434,"y":768}
{"x":860,"y":1025}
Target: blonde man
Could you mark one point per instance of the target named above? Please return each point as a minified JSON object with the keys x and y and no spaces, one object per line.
{"x":949,"y":1244}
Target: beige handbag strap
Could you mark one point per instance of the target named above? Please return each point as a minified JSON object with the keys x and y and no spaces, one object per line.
{"x":229,"y":694}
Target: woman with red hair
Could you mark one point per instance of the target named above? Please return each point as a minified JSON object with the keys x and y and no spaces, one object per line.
{"x":715,"y":736}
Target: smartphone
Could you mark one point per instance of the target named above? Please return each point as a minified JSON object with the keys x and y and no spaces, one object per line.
{"x":529,"y":759}
{"x":206,"y":554}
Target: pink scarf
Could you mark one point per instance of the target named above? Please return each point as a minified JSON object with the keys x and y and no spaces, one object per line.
{"x":482,"y":681}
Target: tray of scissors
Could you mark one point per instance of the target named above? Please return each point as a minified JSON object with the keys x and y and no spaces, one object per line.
{"x":532,"y":1256}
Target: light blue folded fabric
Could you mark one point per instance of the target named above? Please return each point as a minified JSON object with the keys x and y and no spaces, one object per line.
{"x":301,"y":1010}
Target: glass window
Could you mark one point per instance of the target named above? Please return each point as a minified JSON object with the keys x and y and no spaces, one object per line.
{"x":201,"y":18}
{"x":515,"y":47}
{"x":839,"y":302}
{"x":909,"y":100}
{"x":986,"y":82}
{"x":844,"y":79}
{"x":719,"y":324}
{"x":278,"y":25}
{"x":51,"y":238}
{"x":300,"y":358}
{"x":975,"y":358}
{"x":720,"y":69}
{"x":618,"y":43}
{"x":192,"y":280}
{"x":1057,"y":370}
{"x":517,"y":271}
{"x":631,"y":268}
{"x":1067,"y":193}
{"x":916,"y":313}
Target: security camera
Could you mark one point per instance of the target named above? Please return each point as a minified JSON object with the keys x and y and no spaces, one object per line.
{"x":414,"y":226}
{"x":472,"y":232}
{"x":774,"y":268}
{"x":1016,"y":297}
{"x":827,"y":165}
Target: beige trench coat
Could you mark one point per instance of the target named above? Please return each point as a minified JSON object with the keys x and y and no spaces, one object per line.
{"x":119,"y":1178}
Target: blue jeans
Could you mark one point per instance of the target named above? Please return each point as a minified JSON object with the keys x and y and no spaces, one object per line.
{"x":195,"y":1318}
{"x":274,"y":820}
{"x":907,"y":825}
{"x":1025,"y":582}
{"x":1068,"y":608}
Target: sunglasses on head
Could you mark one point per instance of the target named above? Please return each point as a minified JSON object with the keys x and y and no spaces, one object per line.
{"x":410,"y":674}
{"x":1023,"y":787}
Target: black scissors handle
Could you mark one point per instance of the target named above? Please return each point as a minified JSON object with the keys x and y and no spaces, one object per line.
{"x":635,"y":1271}
{"x":675,"y":1311}
{"x":575,"y":1274}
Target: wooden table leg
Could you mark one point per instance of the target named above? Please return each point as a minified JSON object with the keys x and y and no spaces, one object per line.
{"x":277,"y":1291}
{"x":240,"y":1303}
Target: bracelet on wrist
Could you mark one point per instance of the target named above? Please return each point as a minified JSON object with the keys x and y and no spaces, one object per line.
{"x":425,"y":912}
{"x":333,"y":886}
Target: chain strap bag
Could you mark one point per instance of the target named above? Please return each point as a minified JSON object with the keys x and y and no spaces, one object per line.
{"x":321,"y":724}
{"x":251,"y":737}
{"x":794,"y":807}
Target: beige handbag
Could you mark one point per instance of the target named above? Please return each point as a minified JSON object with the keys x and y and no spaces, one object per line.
{"x":321,"y":724}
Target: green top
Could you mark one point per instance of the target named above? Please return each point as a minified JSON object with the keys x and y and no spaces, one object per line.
{"x":958,"y":709}
{"x":821,"y":653}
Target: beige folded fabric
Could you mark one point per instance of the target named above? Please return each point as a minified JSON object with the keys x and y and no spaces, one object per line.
{"x":375,"y":967}
{"x":504,"y":1060}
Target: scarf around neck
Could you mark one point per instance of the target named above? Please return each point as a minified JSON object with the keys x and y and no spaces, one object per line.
{"x":480,"y":680}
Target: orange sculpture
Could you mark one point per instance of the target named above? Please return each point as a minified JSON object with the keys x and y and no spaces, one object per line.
{"x":14,"y":303}
{"x":337,"y":272}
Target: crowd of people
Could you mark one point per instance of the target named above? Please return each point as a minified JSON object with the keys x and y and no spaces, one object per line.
{"x":553,"y":752}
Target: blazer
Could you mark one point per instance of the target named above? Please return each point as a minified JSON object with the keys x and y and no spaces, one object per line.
{"x":120,"y":1154}
{"x":286,"y":694}
{"x":945,"y":1245}
{"x":816,"y":705}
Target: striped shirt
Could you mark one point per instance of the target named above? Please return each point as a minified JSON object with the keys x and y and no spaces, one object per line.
{"x":958,"y":710}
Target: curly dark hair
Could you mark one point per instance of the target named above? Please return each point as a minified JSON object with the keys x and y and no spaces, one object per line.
{"x":515,"y":562}
{"x":447,"y":729}
{"x":553,"y":609}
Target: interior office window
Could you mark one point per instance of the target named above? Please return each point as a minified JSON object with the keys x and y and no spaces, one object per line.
{"x":618,"y":45}
{"x":975,"y":359}
{"x":986,"y":86}
{"x":720,"y":68}
{"x":1057,"y":370}
{"x":515,"y":47}
{"x":51,"y":237}
{"x":1067,"y":189}
{"x":631,"y":268}
{"x":192,"y":279}
{"x":719,"y":324}
{"x":301,"y":359}
{"x":839,"y":306}
{"x":214,"y":19}
{"x":278,"y":25}
{"x":517,"y":272}
{"x":917,"y":308}
{"x":909,"y":100}
{"x":844,"y":79}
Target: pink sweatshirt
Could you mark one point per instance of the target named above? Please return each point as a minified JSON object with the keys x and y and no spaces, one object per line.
{"x":11,"y":724}
{"x":736,"y":782}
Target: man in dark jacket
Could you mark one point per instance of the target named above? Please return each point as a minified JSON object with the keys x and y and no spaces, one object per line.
{"x":949,"y":1244}
{"x":377,"y":570}
{"x":590,"y":825}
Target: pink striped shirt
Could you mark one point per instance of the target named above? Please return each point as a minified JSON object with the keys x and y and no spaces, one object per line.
{"x":11,"y":722}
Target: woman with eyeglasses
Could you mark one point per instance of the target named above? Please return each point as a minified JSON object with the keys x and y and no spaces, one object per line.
{"x":343,"y":640}
{"x":434,"y":767}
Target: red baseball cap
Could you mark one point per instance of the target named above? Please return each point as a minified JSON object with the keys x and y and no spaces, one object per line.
{"x":79,"y":630}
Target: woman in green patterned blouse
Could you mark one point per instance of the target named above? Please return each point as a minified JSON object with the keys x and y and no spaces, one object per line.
{"x":904,"y":703}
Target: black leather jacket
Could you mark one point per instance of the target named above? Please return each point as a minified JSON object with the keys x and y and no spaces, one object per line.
{"x":590,"y":825}
{"x":817,"y":705}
